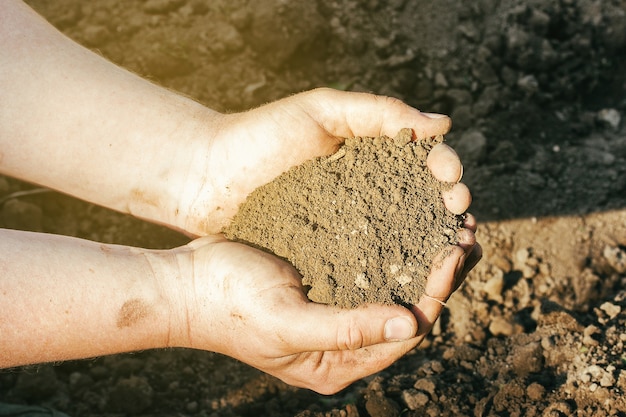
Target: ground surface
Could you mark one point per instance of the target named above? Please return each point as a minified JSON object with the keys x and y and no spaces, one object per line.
{"x":536,"y":90}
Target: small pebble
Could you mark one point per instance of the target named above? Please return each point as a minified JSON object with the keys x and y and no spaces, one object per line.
{"x":611,"y":117}
{"x":414,"y":399}
{"x":499,"y":326}
{"x":611,"y":309}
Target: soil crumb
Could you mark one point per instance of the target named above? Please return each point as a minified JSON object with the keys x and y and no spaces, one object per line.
{"x":362,"y":225}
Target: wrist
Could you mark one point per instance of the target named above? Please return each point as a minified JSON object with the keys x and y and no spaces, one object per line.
{"x":176,"y":176}
{"x":201,"y":297}
{"x":171,"y":277}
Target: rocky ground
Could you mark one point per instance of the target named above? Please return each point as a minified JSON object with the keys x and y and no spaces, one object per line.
{"x":536,"y":90}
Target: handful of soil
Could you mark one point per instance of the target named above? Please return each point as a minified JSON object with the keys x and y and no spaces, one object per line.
{"x":361,"y":226}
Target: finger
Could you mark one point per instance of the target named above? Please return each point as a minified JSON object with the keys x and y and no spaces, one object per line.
{"x":457,"y":199}
{"x":471,"y":261}
{"x":317,"y":327}
{"x":348,"y":114}
{"x":444,"y":163}
{"x":439,"y":286}
{"x":330,"y":372}
{"x":474,"y":256}
{"x":470,"y":222}
{"x":466,"y":239}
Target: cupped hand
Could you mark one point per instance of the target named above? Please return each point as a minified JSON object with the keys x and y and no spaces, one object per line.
{"x":249,"y":149}
{"x":250,"y":305}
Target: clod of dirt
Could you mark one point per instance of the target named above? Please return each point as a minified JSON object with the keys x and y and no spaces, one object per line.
{"x":361,"y":226}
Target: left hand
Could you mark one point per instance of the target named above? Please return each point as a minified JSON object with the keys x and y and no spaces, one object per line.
{"x":247,"y":150}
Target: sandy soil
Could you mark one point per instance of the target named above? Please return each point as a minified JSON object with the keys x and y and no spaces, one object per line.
{"x":363,"y":225}
{"x":536,"y":90}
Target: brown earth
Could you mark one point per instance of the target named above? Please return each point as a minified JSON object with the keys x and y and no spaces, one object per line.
{"x":362,"y":226}
{"x":536,"y":90}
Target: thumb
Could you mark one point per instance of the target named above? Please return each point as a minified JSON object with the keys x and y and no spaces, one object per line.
{"x":363,"y":114}
{"x":324,"y":328}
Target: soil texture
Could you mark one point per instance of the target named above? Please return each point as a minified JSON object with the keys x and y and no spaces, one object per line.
{"x":536,"y":91}
{"x":362,"y":226}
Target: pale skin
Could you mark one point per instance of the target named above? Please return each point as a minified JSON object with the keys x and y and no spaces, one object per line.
{"x":74,"y":122}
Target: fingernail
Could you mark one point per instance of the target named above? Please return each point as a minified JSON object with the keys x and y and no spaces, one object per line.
{"x":465,"y":238}
{"x":399,"y":328}
{"x":434,"y":115}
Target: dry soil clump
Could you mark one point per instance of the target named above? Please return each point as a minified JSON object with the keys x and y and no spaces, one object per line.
{"x":361,"y":226}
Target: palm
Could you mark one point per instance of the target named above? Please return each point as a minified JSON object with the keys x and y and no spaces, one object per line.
{"x":250,"y":305}
{"x":250,"y":149}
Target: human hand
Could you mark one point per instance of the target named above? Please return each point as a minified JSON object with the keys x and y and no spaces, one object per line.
{"x":247,"y":150}
{"x":251,"y":306}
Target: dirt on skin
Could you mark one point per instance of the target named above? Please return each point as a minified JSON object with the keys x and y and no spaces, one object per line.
{"x":362,"y":226}
{"x":535,"y":89}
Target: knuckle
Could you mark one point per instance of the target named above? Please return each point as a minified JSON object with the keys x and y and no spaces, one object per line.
{"x":351,"y":336}
{"x":322,"y":92}
{"x":390,"y":101}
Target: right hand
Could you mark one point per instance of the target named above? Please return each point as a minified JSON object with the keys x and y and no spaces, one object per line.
{"x":250,"y":305}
